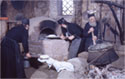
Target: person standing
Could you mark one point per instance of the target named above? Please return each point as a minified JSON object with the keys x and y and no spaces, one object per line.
{"x":71,"y":32}
{"x":11,"y":58}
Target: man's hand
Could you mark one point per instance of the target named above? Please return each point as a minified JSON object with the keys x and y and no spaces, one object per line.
{"x":91,"y":30}
{"x":28,"y":55}
{"x":71,"y":37}
{"x":62,"y":37}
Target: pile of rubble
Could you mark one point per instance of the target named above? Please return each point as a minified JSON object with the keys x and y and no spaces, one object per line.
{"x":105,"y":73}
{"x":84,"y":71}
{"x":116,"y":74}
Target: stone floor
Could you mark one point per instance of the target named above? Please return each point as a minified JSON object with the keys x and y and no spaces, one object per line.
{"x":120,"y":63}
{"x":40,"y":71}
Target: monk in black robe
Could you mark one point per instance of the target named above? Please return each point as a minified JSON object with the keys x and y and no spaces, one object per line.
{"x":90,"y":32}
{"x":11,"y":58}
{"x":91,"y":36}
{"x":71,"y":32}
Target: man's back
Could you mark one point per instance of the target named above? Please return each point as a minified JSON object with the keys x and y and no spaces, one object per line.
{"x":17,"y":32}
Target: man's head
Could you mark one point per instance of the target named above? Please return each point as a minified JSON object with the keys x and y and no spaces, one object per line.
{"x":25,"y":22}
{"x":91,"y":17}
{"x":63,"y":22}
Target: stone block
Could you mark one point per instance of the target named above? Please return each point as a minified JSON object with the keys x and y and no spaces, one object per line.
{"x":55,"y":48}
{"x":80,"y":65}
{"x":83,"y":55}
{"x":3,"y":29}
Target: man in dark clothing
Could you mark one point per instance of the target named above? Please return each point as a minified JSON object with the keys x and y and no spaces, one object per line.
{"x":91,"y":31}
{"x":11,"y":59}
{"x":103,"y":57}
{"x":71,"y":32}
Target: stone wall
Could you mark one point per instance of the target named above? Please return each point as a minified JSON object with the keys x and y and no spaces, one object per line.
{"x":47,"y":8}
{"x":103,"y":12}
{"x":3,"y":29}
{"x":31,"y":9}
{"x":78,"y":11}
{"x":0,"y":5}
{"x":42,"y":10}
{"x":54,"y":11}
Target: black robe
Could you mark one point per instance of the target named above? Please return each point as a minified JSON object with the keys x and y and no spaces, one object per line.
{"x":73,"y":29}
{"x":88,"y":37}
{"x":11,"y":58}
{"x":108,"y":57}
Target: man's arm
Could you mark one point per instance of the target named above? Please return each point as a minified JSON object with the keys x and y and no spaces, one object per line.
{"x":25,"y":43}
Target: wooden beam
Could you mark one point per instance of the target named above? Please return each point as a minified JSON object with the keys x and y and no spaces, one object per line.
{"x":109,"y":3}
{"x":4,"y":18}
